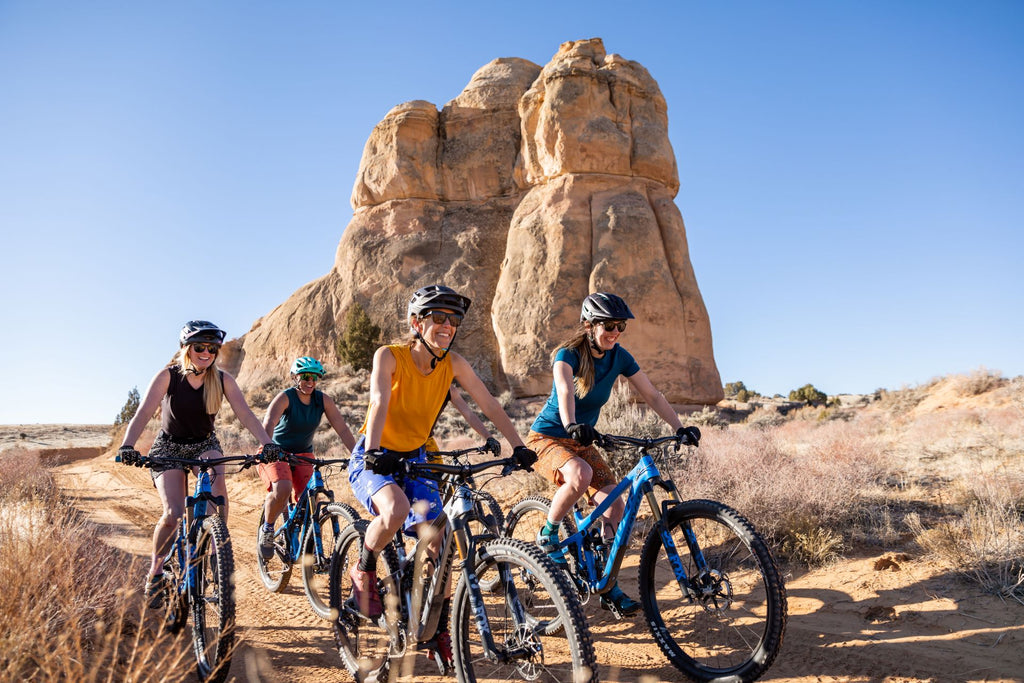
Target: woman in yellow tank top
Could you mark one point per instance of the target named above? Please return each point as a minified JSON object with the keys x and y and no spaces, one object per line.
{"x":408,"y":386}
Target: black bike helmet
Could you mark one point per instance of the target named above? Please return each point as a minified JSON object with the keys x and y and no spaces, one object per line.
{"x":199,"y":331}
{"x":433,"y":297}
{"x":605,"y":306}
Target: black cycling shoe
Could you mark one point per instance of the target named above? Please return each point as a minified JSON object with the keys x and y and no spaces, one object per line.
{"x":156,"y":592}
{"x":618,"y":603}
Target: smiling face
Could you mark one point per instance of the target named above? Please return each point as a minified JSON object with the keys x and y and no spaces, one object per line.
{"x":305,"y":382}
{"x":438,"y":335}
{"x":202,"y":354}
{"x":606,"y":333}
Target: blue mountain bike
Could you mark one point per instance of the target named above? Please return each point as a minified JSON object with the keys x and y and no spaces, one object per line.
{"x":305,"y":534}
{"x":711,"y":592}
{"x":199,"y":568}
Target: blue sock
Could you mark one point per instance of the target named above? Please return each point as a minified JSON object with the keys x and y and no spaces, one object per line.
{"x":550,"y":529}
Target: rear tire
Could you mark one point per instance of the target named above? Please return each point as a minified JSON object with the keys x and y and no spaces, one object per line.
{"x":733,"y":629}
{"x":316,"y":566}
{"x":213,"y":602}
{"x":556,"y":659}
{"x":276,"y":571}
{"x":365,"y":647}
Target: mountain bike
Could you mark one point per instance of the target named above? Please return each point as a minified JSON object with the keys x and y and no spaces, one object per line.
{"x":199,"y":568}
{"x":494,"y":635}
{"x":711,"y":592}
{"x":305,"y":534}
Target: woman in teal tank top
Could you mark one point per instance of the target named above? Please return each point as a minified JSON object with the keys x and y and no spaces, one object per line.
{"x":294,"y":416}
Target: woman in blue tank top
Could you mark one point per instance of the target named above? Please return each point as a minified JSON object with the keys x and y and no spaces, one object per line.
{"x":294,"y":416}
{"x":585,"y":369}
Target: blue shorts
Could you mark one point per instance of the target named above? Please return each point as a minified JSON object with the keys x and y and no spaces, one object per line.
{"x":425,"y":501}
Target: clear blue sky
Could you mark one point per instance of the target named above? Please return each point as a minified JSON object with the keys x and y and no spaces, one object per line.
{"x":852,"y":174}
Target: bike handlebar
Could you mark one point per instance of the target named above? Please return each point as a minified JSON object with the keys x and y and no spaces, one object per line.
{"x":315,"y":462}
{"x":611,"y":441}
{"x":150,"y":461}
{"x":462,"y":471}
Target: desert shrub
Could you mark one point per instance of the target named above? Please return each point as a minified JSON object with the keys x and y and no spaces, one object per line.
{"x":733,"y":388}
{"x":128,"y":410}
{"x":743,"y":395}
{"x":260,"y":395}
{"x":979,"y":381}
{"x":66,"y":610}
{"x":808,"y":394}
{"x":707,"y":417}
{"x":765,"y":418}
{"x":360,"y":339}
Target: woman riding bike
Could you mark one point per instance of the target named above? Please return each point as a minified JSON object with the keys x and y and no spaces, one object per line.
{"x":294,"y":416}
{"x":189,"y":392}
{"x":408,"y":387}
{"x":585,"y":369}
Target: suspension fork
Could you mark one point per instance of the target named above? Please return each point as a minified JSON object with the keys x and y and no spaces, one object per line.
{"x":661,"y":514}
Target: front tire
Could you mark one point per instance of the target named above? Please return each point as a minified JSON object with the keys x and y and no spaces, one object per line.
{"x":732,"y":629}
{"x":213,"y":601}
{"x":536,"y":655}
{"x":316,"y":566}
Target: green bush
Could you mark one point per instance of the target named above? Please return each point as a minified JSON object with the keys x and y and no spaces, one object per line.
{"x":734,"y":388}
{"x":808,"y":394}
{"x":128,"y":410}
{"x":360,"y":339}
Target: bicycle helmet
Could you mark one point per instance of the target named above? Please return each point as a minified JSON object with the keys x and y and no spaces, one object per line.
{"x":307,"y":364}
{"x":605,"y":306}
{"x":197,"y":331}
{"x":436,"y":296}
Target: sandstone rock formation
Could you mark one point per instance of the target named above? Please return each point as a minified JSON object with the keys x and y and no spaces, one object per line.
{"x":529,"y":190}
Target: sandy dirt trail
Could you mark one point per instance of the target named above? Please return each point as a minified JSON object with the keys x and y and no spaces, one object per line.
{"x":884,"y":618}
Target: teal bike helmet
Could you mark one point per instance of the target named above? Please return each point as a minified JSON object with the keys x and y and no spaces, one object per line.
{"x":307,"y":364}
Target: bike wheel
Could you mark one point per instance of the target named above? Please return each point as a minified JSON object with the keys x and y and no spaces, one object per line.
{"x":213,"y":601}
{"x":316,"y":565}
{"x":532,"y":654}
{"x":732,"y":628}
{"x":276,"y":571}
{"x":489,"y":516}
{"x":365,"y":646}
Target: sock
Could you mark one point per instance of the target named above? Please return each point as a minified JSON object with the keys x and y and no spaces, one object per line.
{"x":551,"y":528}
{"x":367,"y":560}
{"x":268,"y":527}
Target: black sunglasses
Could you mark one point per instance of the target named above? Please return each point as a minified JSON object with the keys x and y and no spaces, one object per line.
{"x":309,"y":377}
{"x":203,"y":348}
{"x":612,"y":325}
{"x":440,"y":316}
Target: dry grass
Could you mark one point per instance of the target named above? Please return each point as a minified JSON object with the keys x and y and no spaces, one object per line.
{"x":66,"y":612}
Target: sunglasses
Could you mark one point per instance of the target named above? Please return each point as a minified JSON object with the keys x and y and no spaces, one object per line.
{"x":613,"y":325}
{"x":204,"y":348}
{"x":309,"y":377}
{"x":440,"y":316}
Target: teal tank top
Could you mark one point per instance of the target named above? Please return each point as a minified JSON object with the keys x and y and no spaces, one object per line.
{"x":294,"y":431}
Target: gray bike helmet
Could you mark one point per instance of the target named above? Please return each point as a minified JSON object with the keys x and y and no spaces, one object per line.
{"x":605,"y":306}
{"x":198,"y":331}
{"x":433,"y":297}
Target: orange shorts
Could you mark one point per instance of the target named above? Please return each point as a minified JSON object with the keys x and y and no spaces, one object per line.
{"x":298,"y":475}
{"x":552,"y":453}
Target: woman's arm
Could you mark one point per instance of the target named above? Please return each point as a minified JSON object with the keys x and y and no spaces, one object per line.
{"x":654,"y":398}
{"x":565,"y":390}
{"x":147,"y":409}
{"x":243,"y":412}
{"x":472,"y":418}
{"x":384,"y":366}
{"x":274,"y":412}
{"x":338,"y":422}
{"x":488,"y":404}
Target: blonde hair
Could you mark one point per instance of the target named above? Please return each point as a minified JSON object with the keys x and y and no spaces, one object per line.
{"x":213,"y":384}
{"x":583,"y":378}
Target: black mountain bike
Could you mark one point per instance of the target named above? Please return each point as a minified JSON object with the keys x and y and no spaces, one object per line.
{"x":494,"y":635}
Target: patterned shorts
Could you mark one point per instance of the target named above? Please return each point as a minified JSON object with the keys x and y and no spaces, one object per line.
{"x":164,"y":447}
{"x":553,"y":452}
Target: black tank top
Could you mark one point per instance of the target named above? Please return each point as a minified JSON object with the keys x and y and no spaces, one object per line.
{"x":184,"y":415}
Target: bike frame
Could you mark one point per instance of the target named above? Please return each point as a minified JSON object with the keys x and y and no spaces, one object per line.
{"x":302,"y":512}
{"x":188,"y":531}
{"x":641,"y":483}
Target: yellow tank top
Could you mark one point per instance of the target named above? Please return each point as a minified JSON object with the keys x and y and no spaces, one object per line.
{"x":415,"y":401}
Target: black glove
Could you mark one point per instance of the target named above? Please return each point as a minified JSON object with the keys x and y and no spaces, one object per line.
{"x":270,"y":452}
{"x":492,"y":446}
{"x":582,"y":434}
{"x":128,"y":455}
{"x":524,"y":457}
{"x":690,"y":436}
{"x":383,"y":462}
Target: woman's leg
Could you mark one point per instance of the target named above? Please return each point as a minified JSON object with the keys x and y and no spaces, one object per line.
{"x":392,"y":507}
{"x":170,"y":484}
{"x":576,"y":474}
{"x":613,"y":515}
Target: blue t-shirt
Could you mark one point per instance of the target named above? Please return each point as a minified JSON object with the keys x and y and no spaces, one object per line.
{"x":607,"y":369}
